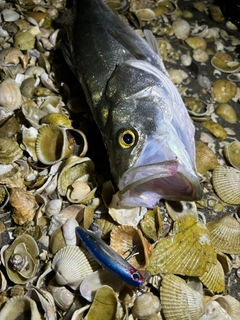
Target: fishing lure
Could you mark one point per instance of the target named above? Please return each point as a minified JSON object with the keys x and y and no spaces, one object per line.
{"x":109,"y":259}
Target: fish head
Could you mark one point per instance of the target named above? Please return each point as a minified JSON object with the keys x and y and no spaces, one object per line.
{"x":150,"y":141}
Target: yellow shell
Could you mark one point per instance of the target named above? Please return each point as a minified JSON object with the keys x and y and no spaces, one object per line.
{"x":206,"y":159}
{"x":214,"y":278}
{"x":224,"y":62}
{"x":57,"y":119}
{"x":226,"y":182}
{"x":223,"y":90}
{"x":179,"y":301}
{"x":145,"y":14}
{"x":196,"y":42}
{"x":227,"y":112}
{"x":222,"y":308}
{"x":9,"y":151}
{"x":216,"y":129}
{"x":232,"y":153}
{"x":124,"y":239}
{"x":216,"y":14}
{"x":152,"y":224}
{"x":53,"y":144}
{"x":178,"y":209}
{"x":10,"y":95}
{"x":188,"y":251}
{"x":225,"y":235}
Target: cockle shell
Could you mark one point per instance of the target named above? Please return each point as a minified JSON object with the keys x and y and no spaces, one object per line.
{"x":23,"y":249}
{"x":187,"y":251}
{"x":24,"y":205}
{"x":232,"y":153}
{"x":10,"y":95}
{"x":125,"y":239}
{"x":53,"y":144}
{"x":146,"y":306}
{"x":10,"y":150}
{"x":206,"y":159}
{"x":225,"y":234}
{"x":179,"y":301}
{"x":227,"y":112}
{"x":223,"y":90}
{"x":18,"y":306}
{"x":226,"y":182}
{"x":72,"y":265}
{"x":214,"y":278}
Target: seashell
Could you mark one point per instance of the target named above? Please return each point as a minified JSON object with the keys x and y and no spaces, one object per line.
{"x":4,"y":196}
{"x":200,"y":6}
{"x":200,"y":55}
{"x":226,"y":182}
{"x":186,"y":59}
{"x":146,"y":306}
{"x":175,"y":76}
{"x":13,"y":176}
{"x":206,"y":159}
{"x":179,"y":301}
{"x":178,"y":209}
{"x":224,"y":62}
{"x":18,"y":306}
{"x":29,"y":137}
{"x":214,"y":278}
{"x":105,"y":224}
{"x":57,"y":241}
{"x":125,"y":239}
{"x":216,"y":129}
{"x":104,"y":304}
{"x":146,"y":14}
{"x":25,"y":40}
{"x":72,"y":265}
{"x":216,"y":14}
{"x":57,"y":119}
{"x":181,"y":29}
{"x":73,"y":169}
{"x":53,"y":207}
{"x":227,"y":112}
{"x":9,"y":15}
{"x":10,"y":95}
{"x":28,"y":87}
{"x":24,"y":205}
{"x":223,"y":90}
{"x":21,"y":259}
{"x":61,"y":295}
{"x":225,"y":234}
{"x":69,"y":233}
{"x":196,"y":42}
{"x":9,"y":127}
{"x":96,"y":280}
{"x":53,"y":144}
{"x":152,"y":224}
{"x":232,"y":153}
{"x":10,"y":150}
{"x":187,"y":251}
{"x":222,"y":308}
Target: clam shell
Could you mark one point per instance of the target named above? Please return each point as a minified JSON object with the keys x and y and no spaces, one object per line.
{"x":124,"y":239}
{"x":216,"y":129}
{"x":214,"y":278}
{"x":188,"y":251}
{"x":226,"y":182}
{"x":53,"y":144}
{"x":10,"y":95}
{"x":224,"y":62}
{"x":223,"y":90}
{"x":225,"y":234}
{"x":227,"y":112}
{"x":18,"y":306}
{"x":179,"y":301}
{"x":232,"y":153}
{"x":72,"y":265}
{"x":146,"y":306}
{"x":206,"y":159}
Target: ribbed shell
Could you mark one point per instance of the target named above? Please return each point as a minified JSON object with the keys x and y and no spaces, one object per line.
{"x":214,"y":278}
{"x":225,"y":235}
{"x":72,"y":265}
{"x":179,"y":301}
{"x":188,"y":251}
{"x":226,"y":182}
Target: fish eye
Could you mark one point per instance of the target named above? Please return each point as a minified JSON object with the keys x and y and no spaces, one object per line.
{"x":136,"y":276}
{"x":126,"y":138}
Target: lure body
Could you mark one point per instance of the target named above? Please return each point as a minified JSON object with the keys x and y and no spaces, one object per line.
{"x":109,"y":259}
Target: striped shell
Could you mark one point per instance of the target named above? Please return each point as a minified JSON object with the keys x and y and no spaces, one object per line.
{"x":226,"y":182}
{"x":72,"y":265}
{"x":225,"y":235}
{"x":188,"y":251}
{"x":214,"y":278}
{"x":179,"y":301}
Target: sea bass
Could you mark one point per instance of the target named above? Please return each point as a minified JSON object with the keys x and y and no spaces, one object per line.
{"x":144,"y":123}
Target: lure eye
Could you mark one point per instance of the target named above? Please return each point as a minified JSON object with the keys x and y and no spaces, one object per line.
{"x":136,"y":276}
{"x":127,"y":139}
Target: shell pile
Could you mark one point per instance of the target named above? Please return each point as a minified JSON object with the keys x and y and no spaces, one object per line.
{"x":54,"y":175}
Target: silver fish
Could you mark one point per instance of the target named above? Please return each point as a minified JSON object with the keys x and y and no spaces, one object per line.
{"x":144,"y":123}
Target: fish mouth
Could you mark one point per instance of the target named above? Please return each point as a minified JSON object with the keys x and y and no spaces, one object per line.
{"x":171,"y":179}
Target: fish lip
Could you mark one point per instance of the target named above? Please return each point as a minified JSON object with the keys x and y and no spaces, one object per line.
{"x":166,"y":174}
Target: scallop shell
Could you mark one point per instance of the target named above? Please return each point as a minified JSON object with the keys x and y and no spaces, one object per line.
{"x":232,"y":153}
{"x":18,"y":306}
{"x":206,"y":159}
{"x":125,"y":239}
{"x":214,"y":278}
{"x":72,"y":265}
{"x":10,"y":95}
{"x":53,"y":144}
{"x":226,"y":182}
{"x":10,"y":151}
{"x":146,"y":306}
{"x":188,"y":251}
{"x":225,"y":235}
{"x":179,"y":301}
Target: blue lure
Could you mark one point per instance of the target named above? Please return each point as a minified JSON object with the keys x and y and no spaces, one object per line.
{"x":109,"y":259}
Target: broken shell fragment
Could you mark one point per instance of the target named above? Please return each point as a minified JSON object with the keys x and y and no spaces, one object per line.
{"x":225,"y":234}
{"x":216,"y":129}
{"x":232,"y":153}
{"x":187,"y":251}
{"x":224,"y":62}
{"x":179,"y":301}
{"x":226,"y":182}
